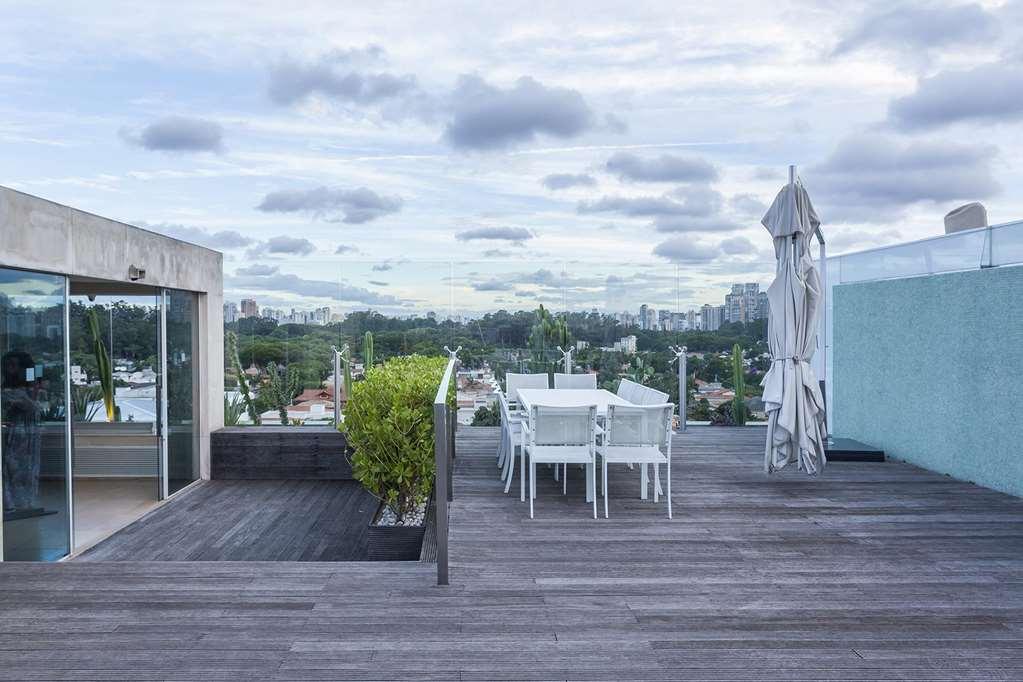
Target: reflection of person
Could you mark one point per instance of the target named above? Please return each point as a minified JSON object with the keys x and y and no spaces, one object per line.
{"x":22,"y":413}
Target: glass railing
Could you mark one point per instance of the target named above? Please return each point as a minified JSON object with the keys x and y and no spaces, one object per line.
{"x":619,"y":320}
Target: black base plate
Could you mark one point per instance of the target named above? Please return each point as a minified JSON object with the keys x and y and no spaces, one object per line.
{"x":849,"y":450}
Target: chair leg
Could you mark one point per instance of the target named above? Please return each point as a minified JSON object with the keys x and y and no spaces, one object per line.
{"x":605,"y":488}
{"x":564,"y":479}
{"x":669,"y":487}
{"x":592,"y":471}
{"x":644,"y":481}
{"x":510,"y":468}
{"x":522,"y":474}
{"x":532,"y":486}
{"x":657,"y":481}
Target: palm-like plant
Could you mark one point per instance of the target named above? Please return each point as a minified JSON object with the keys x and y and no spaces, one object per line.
{"x":548,"y":332}
{"x":640,"y":371}
{"x":105,"y":369}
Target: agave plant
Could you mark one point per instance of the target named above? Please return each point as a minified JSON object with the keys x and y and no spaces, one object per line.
{"x":85,"y":402}
{"x":234,"y":407}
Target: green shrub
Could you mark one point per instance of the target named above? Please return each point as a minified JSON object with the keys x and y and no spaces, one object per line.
{"x":486,"y":416}
{"x":389,"y":423}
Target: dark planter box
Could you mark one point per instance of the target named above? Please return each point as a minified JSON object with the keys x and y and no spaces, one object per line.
{"x":394,"y":543}
{"x":280,"y":452}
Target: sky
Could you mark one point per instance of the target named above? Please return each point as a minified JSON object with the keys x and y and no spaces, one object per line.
{"x":465,"y":157}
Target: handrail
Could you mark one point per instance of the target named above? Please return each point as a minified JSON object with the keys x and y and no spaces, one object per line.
{"x":444,"y":421}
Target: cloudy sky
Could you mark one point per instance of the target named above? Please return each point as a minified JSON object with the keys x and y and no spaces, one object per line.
{"x":464,"y":157}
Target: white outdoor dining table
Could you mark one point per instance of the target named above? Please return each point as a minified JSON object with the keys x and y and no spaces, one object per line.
{"x":567,"y":397}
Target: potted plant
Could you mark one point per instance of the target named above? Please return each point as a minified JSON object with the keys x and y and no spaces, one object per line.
{"x":389,"y":424}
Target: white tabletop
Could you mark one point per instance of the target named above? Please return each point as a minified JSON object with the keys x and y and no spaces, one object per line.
{"x":569,"y":397}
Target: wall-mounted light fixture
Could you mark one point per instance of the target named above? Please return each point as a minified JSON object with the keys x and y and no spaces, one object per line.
{"x":135,"y":273}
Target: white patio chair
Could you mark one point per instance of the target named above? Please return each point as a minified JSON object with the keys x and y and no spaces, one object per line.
{"x":511,"y":444}
{"x":561,"y":435}
{"x":637,"y":435}
{"x":513,"y":382}
{"x":638,"y":394}
{"x":575,"y":380}
{"x":501,"y":449}
{"x":628,"y":390}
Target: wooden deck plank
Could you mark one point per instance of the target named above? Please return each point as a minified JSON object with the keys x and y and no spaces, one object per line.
{"x":870,"y":572}
{"x":249,"y":520}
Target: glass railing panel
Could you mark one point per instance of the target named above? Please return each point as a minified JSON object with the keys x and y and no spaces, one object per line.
{"x":1006,"y":244}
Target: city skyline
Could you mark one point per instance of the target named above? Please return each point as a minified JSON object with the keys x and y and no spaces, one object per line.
{"x":707,"y":317}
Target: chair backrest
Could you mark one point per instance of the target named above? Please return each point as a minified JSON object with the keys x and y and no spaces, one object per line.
{"x":638,"y":394}
{"x":505,"y":412}
{"x":627,"y":390}
{"x":513,"y":382}
{"x":575,"y":380}
{"x":638,"y":426}
{"x":553,"y":426}
{"x":651,"y":396}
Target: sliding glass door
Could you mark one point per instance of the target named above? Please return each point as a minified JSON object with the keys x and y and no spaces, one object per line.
{"x":34,"y":426}
{"x":181,"y":390}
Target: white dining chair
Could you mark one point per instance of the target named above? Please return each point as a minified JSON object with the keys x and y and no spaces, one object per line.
{"x":575,"y":380}
{"x":629,"y":390}
{"x":561,"y":435}
{"x":511,"y":443}
{"x":637,"y":435}
{"x":513,"y":382}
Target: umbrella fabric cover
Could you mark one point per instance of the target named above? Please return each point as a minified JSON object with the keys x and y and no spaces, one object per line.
{"x":796,"y":427}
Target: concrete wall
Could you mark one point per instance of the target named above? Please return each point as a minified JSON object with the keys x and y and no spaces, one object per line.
{"x":36,"y":234}
{"x":930,"y":369}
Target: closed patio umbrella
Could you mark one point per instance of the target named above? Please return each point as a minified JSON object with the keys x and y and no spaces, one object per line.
{"x":796,"y":426}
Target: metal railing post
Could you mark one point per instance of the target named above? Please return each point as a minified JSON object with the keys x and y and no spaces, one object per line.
{"x":441,"y":494}
{"x":337,"y":385}
{"x":680,"y":358}
{"x":444,"y":421}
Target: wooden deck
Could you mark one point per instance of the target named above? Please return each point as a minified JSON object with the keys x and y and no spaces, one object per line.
{"x":872,"y":572}
{"x":295,"y":520}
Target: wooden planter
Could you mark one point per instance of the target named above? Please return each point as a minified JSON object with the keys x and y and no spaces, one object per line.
{"x":394,"y":543}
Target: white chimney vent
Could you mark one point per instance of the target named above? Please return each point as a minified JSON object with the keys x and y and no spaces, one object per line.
{"x":966,"y":217}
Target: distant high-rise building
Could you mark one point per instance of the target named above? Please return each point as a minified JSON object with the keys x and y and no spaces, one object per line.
{"x":711,"y":317}
{"x":230,"y":312}
{"x":249,"y":308}
{"x":628,"y":344}
{"x":664,"y":320}
{"x":643,"y":310}
{"x":751,"y":301}
{"x":763,"y":308}
{"x":735,"y":304}
{"x":745,"y":303}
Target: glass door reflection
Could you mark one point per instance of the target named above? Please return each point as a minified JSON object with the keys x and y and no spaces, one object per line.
{"x":33,"y":416}
{"x":181,"y":391}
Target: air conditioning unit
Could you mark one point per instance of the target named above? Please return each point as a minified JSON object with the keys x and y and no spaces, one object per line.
{"x":966,"y":217}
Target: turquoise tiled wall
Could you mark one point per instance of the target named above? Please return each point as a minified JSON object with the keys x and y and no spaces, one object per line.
{"x":931,"y":370}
